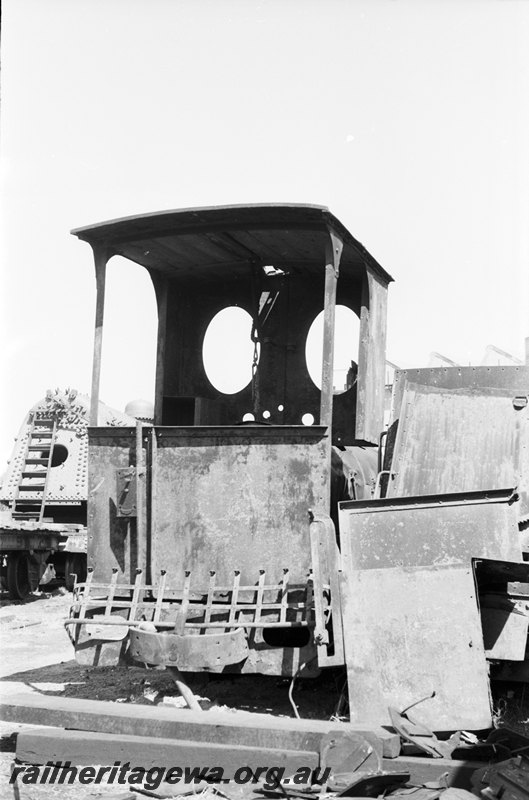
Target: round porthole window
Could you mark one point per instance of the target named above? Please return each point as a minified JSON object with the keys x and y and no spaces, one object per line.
{"x":346,"y":338}
{"x":59,"y":455}
{"x":227,"y":351}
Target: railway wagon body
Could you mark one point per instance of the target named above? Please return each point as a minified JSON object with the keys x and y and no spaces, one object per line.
{"x":44,"y":489}
{"x":200,"y":523}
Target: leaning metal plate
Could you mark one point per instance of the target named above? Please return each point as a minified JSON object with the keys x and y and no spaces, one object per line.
{"x":503,"y":588}
{"x":409,"y":632}
{"x":452,"y":441}
{"x":410,"y":614}
{"x":431,"y":530}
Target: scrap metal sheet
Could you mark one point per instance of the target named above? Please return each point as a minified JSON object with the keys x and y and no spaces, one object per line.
{"x":454,"y":441}
{"x":503,"y":589}
{"x":410,"y":616}
{"x":505,"y":631}
{"x":410,"y":632}
{"x":512,"y":380}
{"x":426,"y":531}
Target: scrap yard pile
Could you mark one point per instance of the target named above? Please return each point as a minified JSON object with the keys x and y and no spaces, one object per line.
{"x":299,"y":530}
{"x":162,"y":751}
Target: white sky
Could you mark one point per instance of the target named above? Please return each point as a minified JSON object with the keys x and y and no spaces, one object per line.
{"x":410,"y":120}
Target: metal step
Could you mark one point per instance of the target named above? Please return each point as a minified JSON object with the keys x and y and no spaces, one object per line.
{"x":34,"y":473}
{"x":37,"y":461}
{"x":38,"y":487}
{"x":39,"y":447}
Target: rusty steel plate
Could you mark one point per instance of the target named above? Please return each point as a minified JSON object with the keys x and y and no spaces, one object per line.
{"x":505,"y":632}
{"x":454,"y":441}
{"x":212,"y":498}
{"x":494,"y":575}
{"x":189,"y":652}
{"x":430,"y":530}
{"x":114,"y":542}
{"x":513,"y":380}
{"x":503,"y":588}
{"x":97,"y":650}
{"x":409,"y":632}
{"x":410,"y":616}
{"x":226,"y":499}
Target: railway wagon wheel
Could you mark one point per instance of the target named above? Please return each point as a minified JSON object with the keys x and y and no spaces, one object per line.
{"x":18,"y":576}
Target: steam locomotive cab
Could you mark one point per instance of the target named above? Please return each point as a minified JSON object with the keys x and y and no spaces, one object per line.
{"x":200,"y":524}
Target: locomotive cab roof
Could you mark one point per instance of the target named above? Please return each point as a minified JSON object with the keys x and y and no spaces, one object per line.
{"x":221,"y":241}
{"x":282,"y":263}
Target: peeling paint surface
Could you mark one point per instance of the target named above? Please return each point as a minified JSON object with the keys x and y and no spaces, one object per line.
{"x":427,"y":531}
{"x":453,"y":442}
{"x":237,"y":502}
{"x":112,"y":541}
{"x":410,"y":616}
{"x":409,"y":632}
{"x":214,"y":499}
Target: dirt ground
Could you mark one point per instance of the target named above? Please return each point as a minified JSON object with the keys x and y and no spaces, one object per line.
{"x":36,"y":652}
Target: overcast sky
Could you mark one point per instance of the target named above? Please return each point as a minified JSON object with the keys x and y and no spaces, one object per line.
{"x":409,"y":119}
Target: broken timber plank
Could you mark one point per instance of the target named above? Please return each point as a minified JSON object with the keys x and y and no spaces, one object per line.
{"x":422,"y":770}
{"x":80,"y":748}
{"x":252,"y":730}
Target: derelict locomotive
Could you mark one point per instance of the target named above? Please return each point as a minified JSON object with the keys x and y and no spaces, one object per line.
{"x":230,"y":536}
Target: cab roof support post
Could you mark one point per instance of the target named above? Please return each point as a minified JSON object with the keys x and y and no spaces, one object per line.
{"x":101,"y":257}
{"x":333,"y":253}
{"x":161,"y":288}
{"x":372,"y":359}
